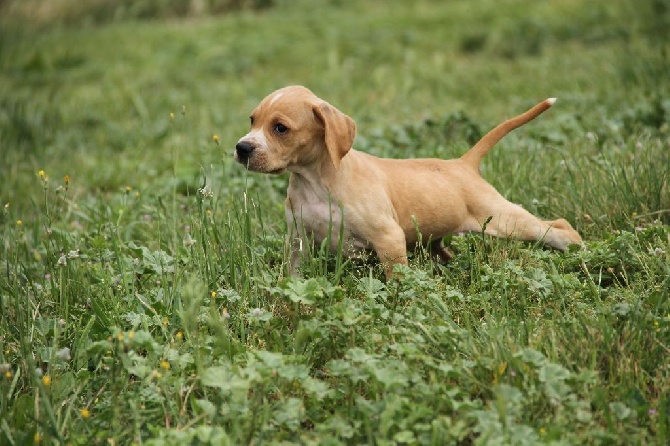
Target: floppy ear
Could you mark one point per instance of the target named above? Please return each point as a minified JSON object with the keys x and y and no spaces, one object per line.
{"x":340,"y":131}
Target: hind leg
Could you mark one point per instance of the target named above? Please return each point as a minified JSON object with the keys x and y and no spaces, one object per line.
{"x":438,"y":249}
{"x":565,"y":232}
{"x":513,"y":221}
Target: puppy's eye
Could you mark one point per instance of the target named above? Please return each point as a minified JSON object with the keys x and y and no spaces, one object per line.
{"x":251,"y":118}
{"x":280,"y":128}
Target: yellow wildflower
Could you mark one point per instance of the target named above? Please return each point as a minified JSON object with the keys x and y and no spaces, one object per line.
{"x":131,"y":335}
{"x":119,"y":336}
{"x":165,"y":365}
{"x":37,"y":438}
{"x":171,"y":117}
{"x":8,"y":375}
{"x":213,"y":294}
{"x":19,"y":222}
{"x":502,"y":367}
{"x":85,"y":413}
{"x":165,"y":321}
{"x":46,"y":380}
{"x":179,"y":336}
{"x":215,"y":138}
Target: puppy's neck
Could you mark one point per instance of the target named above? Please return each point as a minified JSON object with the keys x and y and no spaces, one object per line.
{"x":316,"y":179}
{"x":317,"y":175}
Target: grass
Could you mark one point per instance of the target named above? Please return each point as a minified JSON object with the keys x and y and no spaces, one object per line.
{"x":143,"y":288}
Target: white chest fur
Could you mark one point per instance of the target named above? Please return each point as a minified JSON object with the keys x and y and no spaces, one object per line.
{"x":313,"y":212}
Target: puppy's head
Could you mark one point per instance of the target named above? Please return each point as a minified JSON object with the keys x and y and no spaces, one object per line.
{"x":292,"y":127}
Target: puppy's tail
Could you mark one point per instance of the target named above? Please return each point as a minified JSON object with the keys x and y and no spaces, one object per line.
{"x":474,"y":156}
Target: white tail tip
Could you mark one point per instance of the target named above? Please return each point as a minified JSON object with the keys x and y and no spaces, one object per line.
{"x":551,"y":101}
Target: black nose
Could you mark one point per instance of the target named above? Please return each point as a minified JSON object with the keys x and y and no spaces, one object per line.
{"x":244,"y":149}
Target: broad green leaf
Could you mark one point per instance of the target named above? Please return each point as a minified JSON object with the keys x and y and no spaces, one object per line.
{"x":270,"y":359}
{"x":207,"y":407}
{"x":620,"y":410}
{"x":531,"y":356}
{"x":553,"y":376}
{"x":222,"y":378}
{"x":404,"y":437}
{"x":316,"y":388}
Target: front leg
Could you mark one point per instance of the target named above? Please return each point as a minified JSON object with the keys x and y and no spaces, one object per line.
{"x":294,"y":239}
{"x":390,"y":245}
{"x":295,"y":245}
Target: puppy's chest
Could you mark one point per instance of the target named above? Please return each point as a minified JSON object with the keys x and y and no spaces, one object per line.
{"x":321,"y":218}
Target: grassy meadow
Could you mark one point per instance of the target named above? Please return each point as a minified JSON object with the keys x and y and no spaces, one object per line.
{"x":144,"y":295}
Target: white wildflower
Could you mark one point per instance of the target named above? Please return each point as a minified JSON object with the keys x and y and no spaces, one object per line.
{"x":63,"y":354}
{"x":188,"y":240}
{"x":62,"y":260}
{"x":256,"y":312}
{"x":206,"y":191}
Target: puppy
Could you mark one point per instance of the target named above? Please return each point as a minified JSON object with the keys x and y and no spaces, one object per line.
{"x":360,"y":202}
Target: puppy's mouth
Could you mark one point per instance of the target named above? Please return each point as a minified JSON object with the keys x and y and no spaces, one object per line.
{"x":253,"y":168}
{"x":248,"y":155}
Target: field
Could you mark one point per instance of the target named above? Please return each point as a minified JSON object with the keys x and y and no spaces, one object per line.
{"x":144,"y":291}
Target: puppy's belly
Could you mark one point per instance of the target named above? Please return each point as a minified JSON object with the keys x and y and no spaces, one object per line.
{"x":322,"y":221}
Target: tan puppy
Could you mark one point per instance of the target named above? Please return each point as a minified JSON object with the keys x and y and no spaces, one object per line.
{"x":380,"y":204}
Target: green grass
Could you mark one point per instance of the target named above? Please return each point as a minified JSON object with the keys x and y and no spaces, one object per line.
{"x":145,"y":300}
